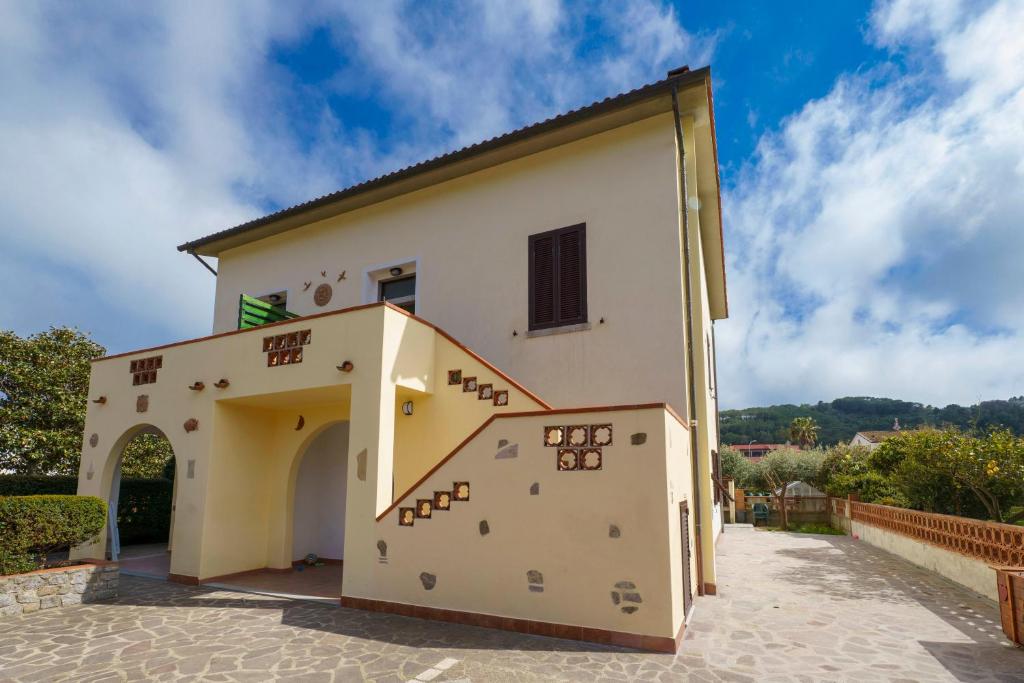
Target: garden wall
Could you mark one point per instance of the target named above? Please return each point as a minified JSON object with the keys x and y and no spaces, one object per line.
{"x":57,"y":587}
{"x":961,"y":549}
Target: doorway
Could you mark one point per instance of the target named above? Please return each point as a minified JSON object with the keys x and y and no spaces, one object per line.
{"x":684,"y":532}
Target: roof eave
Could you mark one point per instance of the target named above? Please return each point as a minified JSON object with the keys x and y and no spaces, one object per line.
{"x":456,"y":163}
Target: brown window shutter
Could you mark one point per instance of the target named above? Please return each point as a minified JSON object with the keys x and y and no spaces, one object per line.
{"x":558,"y":277}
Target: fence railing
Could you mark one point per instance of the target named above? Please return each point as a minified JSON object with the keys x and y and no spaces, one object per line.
{"x":997,"y":544}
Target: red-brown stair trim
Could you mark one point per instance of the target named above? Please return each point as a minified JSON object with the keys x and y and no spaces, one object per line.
{"x":538,"y":628}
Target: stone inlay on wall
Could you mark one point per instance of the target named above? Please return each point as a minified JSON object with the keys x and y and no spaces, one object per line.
{"x":638,"y":439}
{"x":613,"y":531}
{"x":625,"y":592}
{"x":428,"y":580}
{"x":507,"y":451}
{"x":191,"y":424}
{"x":50,"y":588}
{"x":94,"y":440}
{"x":535,"y":581}
{"x":382,"y":550}
{"x":144,"y":370}
{"x":286,"y":349}
{"x":535,"y":488}
{"x":485,"y":528}
{"x":142,"y":403}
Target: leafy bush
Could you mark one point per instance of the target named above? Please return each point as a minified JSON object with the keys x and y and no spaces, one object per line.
{"x":33,"y":526}
{"x":143,"y":510}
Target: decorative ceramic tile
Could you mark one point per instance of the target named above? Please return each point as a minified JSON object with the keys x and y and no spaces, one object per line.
{"x":454,"y":377}
{"x":600,"y":435}
{"x":568,"y":459}
{"x":460,"y":490}
{"x":423,"y":508}
{"x":322,"y":295}
{"x":554,"y":436}
{"x":143,"y":370}
{"x":285,"y":349}
{"x":406,"y":516}
{"x":501,"y":398}
{"x":442,"y":500}
{"x":590,"y":459}
{"x":469,"y":384}
{"x":485,"y":392}
{"x":577,"y":435}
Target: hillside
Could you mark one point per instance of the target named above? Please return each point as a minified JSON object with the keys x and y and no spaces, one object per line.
{"x":840,"y":419}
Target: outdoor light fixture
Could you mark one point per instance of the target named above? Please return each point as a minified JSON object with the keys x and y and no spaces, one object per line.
{"x":407,"y":408}
{"x":395,"y":272}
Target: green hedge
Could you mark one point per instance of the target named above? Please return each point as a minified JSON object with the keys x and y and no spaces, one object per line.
{"x":143,"y":510}
{"x":33,"y":526}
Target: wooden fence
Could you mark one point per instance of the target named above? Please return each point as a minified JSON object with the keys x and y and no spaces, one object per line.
{"x":993,"y":543}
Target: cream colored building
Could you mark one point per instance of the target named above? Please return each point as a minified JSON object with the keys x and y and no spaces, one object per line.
{"x":581,"y":256}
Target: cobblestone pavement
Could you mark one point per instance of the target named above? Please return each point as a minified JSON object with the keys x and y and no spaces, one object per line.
{"x":791,"y":607}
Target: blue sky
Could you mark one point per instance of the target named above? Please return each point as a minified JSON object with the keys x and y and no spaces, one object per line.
{"x":871,"y":158}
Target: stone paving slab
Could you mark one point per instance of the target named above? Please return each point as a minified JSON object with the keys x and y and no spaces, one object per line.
{"x":791,"y":608}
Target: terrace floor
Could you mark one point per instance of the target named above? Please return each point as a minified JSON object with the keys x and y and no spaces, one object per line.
{"x":790,"y":608}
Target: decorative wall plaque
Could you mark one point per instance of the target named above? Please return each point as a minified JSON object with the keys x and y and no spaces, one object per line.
{"x":142,"y":403}
{"x":322,"y":295}
{"x":191,"y":424}
{"x":94,"y":440}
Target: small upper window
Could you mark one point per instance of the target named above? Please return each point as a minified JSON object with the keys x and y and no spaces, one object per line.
{"x":400,"y":291}
{"x":558,"y":277}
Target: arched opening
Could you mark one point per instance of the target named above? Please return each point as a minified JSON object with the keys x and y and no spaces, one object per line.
{"x":141,"y":502}
{"x":318,"y":508}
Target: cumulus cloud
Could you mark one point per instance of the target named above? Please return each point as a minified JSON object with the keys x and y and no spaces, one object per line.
{"x":129,"y":128}
{"x":875,"y":237}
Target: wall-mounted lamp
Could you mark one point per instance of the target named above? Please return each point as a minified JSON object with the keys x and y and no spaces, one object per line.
{"x":395,"y":272}
{"x":407,"y":408}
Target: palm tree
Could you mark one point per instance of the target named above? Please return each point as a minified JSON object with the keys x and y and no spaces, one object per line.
{"x":804,"y":431}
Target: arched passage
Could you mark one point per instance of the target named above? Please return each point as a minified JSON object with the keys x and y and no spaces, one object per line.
{"x":141,"y":485}
{"x":318,"y":500}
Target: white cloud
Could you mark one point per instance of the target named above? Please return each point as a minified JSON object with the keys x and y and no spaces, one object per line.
{"x":875,"y":240}
{"x":129,"y":128}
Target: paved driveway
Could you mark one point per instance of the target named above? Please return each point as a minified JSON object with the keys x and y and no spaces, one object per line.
{"x":792,"y":607}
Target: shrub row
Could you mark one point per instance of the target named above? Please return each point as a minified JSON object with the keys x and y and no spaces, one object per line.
{"x":33,"y":526}
{"x":143,"y":509}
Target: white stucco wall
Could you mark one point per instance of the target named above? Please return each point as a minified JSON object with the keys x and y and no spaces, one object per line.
{"x":469,"y":240}
{"x":319,"y":522}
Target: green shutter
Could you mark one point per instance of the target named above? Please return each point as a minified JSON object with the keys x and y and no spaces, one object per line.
{"x":252,"y":312}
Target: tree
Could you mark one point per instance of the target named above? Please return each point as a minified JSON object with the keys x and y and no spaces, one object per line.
{"x":804,"y":431}
{"x":44,"y":380}
{"x":44,"y":385}
{"x":784,"y":466}
{"x":737,"y":466}
{"x":991,"y":467}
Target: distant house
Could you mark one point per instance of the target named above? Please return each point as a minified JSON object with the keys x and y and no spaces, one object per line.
{"x":874,"y":439}
{"x":755,"y":451}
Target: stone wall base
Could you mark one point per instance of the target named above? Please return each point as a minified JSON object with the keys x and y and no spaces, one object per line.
{"x":58,"y":587}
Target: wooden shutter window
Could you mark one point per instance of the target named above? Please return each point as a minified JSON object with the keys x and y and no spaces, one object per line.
{"x":558,"y":277}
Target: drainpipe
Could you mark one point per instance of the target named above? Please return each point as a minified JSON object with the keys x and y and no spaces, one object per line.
{"x":691,"y":388}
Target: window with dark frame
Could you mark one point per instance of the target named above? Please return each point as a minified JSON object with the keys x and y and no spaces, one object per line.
{"x":558,"y":277}
{"x":401,"y":291}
